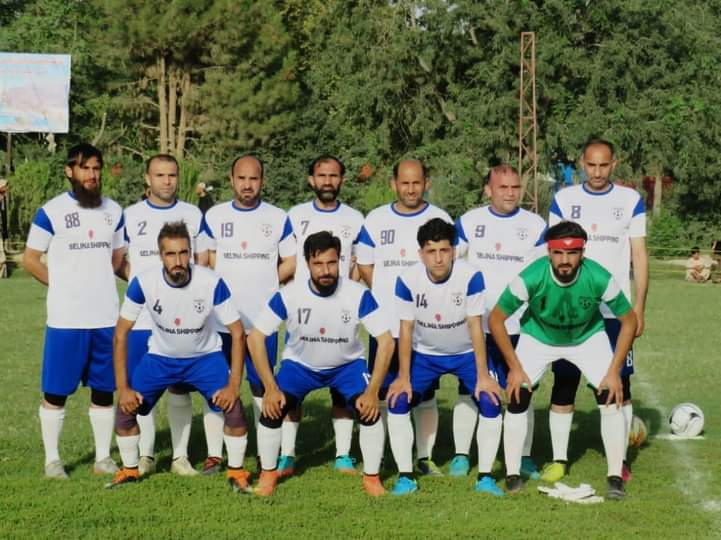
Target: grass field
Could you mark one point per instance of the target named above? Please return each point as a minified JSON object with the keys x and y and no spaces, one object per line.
{"x":675,"y":491}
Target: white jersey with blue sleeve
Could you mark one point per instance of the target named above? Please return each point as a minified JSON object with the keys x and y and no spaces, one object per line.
{"x":323,"y":331}
{"x":439,"y":309}
{"x":143,"y":222}
{"x":343,"y":222}
{"x":184,"y":317}
{"x":247,"y":245}
{"x":388,"y":242}
{"x":79,"y":243}
{"x":610,"y":219}
{"x":500,"y":245}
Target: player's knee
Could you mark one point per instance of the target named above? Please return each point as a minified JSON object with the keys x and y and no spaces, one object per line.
{"x":291,"y":403}
{"x":101,"y":398}
{"x":402,"y":405}
{"x":272,"y":423}
{"x":55,"y":400}
{"x":520,"y":406}
{"x":235,"y":417}
{"x":125,"y":423}
{"x":564,"y":389}
{"x":487,"y":406}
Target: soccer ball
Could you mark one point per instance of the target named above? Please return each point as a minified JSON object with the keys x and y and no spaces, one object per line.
{"x":686,"y":420}
{"x":637,"y":433}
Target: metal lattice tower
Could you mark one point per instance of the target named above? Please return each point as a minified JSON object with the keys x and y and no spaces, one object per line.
{"x":527,"y":126}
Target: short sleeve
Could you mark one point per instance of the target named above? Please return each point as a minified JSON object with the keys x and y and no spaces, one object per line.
{"x":272,"y":315}
{"x":134,"y":301}
{"x":615,"y":299}
{"x":513,"y":296}
{"x":41,"y":232}
{"x":119,"y":234}
{"x":461,"y":238}
{"x":404,"y":301}
{"x":637,"y":227}
{"x":475,"y":295}
{"x":365,"y":248}
{"x":287,"y":245}
{"x":374,"y":319}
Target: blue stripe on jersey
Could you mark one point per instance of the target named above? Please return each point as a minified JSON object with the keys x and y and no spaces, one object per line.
{"x":287,"y":229}
{"x":402,"y":290}
{"x":365,"y":238}
{"x":368,"y":304}
{"x":459,"y":230}
{"x":121,"y":223}
{"x":541,"y":240}
{"x":476,"y":285}
{"x":206,"y":228}
{"x":221,"y":293}
{"x":555,"y":209}
{"x":42,"y":220}
{"x":278,"y":307}
{"x":640,"y":208}
{"x":135,"y":292}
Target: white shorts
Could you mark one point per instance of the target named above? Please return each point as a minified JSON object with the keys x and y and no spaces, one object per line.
{"x":593,"y":357}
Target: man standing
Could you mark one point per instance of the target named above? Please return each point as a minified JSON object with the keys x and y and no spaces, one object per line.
{"x":252,"y":247}
{"x":387,"y":245}
{"x":323,"y":317}
{"x":324,"y":213}
{"x":82,"y":233}
{"x":562,"y":294}
{"x":143,"y":222}
{"x":499,"y":239}
{"x":615,"y":219}
{"x":184,"y":348}
{"x":440,"y":304}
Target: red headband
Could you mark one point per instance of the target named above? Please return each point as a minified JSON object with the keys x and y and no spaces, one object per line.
{"x":566,"y":243}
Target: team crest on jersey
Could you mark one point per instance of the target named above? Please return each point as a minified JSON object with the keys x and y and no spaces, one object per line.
{"x":345,"y":316}
{"x":199,"y":306}
{"x":108,"y":218}
{"x":586,"y":302}
{"x":522,"y":233}
{"x":345,"y":231}
{"x":618,"y":212}
{"x":266,"y":229}
{"x":457,"y":298}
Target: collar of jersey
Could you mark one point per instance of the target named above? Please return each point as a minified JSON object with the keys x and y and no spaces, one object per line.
{"x":393,"y":209}
{"x":564,"y":285}
{"x":156,"y":207}
{"x":232,"y":203}
{"x":316,"y":293}
{"x":190,"y":278}
{"x":72,"y":195}
{"x":597,"y":193}
{"x":317,"y":209}
{"x":503,"y":216}
{"x":443,"y":280}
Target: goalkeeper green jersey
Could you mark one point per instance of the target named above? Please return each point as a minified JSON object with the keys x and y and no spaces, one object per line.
{"x":561,"y":314}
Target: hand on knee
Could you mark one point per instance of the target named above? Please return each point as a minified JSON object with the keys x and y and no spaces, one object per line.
{"x":488,"y":407}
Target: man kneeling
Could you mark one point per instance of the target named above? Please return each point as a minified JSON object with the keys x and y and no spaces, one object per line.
{"x":183,"y":349}
{"x":323,"y":349}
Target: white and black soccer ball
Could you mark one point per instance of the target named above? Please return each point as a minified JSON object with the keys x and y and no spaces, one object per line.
{"x":686,"y":420}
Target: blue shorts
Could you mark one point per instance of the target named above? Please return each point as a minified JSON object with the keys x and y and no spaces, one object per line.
{"x":350,"y":380}
{"x":497,"y":367}
{"x":271,"y":344}
{"x":426,"y":369}
{"x":207,"y":374}
{"x":73,"y":355}
{"x":392,"y":369}
{"x":613,"y":328}
{"x":137,"y":347}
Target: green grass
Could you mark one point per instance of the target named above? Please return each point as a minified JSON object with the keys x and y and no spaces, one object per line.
{"x":675,"y":491}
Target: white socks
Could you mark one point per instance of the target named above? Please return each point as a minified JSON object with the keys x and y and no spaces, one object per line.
{"x":269,"y":446}
{"x":128,"y":447}
{"x":343,"y":429}
{"x":180,"y":416}
{"x":613,"y":431}
{"x":372,"y":440}
{"x":488,"y":438}
{"x":257,"y":403}
{"x":400,"y":432}
{"x":528,"y":443}
{"x":213,"y":422}
{"x":289,"y":431}
{"x":425,"y":419}
{"x":51,"y":424}
{"x":465,"y":414}
{"x":514,"y":433}
{"x":102,"y":420}
{"x":147,"y":433}
{"x":236,"y":450}
{"x":627,"y":411}
{"x":560,"y":427}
